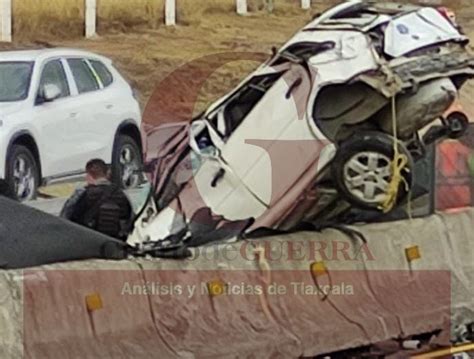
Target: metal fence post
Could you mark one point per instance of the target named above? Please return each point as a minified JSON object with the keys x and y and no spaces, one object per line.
{"x":170,"y":12}
{"x":270,"y":6}
{"x":305,"y":4}
{"x":241,"y":6}
{"x":91,"y":18}
{"x":6,"y":20}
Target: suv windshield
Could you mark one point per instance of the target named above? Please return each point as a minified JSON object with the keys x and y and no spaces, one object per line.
{"x":14,"y":80}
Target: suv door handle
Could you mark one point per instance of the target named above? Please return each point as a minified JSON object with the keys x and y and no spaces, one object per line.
{"x":218,"y":176}
{"x":73,"y":115}
{"x":109,"y":107}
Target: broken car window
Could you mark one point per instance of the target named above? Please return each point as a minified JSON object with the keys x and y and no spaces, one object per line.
{"x":245,"y":100}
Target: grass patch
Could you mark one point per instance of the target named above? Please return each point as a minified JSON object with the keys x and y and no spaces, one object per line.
{"x":40,"y":19}
{"x":64,"y":19}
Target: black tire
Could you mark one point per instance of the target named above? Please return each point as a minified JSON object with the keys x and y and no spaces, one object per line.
{"x":358,"y":146}
{"x":31,"y":179}
{"x":124,"y":142}
{"x":458,"y":123}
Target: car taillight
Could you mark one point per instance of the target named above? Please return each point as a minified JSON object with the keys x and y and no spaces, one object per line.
{"x":448,"y":14}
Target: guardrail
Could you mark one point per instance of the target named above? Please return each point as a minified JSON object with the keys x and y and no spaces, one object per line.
{"x":6,"y":15}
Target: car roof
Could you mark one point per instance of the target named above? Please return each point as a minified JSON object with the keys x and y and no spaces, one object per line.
{"x":41,"y":54}
{"x":360,"y":13}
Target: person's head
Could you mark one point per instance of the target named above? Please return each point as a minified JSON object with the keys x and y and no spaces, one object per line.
{"x":96,"y":169}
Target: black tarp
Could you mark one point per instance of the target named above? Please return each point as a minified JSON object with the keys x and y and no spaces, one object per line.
{"x":29,"y":237}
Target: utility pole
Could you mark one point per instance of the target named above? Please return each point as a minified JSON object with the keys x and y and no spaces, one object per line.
{"x":270,"y":6}
{"x":170,"y":12}
{"x":305,"y":4}
{"x":6,"y":20}
{"x":241,"y":6}
{"x":91,"y":18}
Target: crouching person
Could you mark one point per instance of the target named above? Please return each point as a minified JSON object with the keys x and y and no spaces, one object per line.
{"x":101,"y":205}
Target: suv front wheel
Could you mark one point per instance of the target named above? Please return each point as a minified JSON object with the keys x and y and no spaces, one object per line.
{"x":22,"y":175}
{"x":362,"y":169}
{"x":126,"y":163}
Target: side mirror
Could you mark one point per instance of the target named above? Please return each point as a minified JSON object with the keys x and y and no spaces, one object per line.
{"x":50,"y":92}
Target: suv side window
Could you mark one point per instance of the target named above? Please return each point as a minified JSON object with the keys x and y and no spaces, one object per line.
{"x":53,"y":74}
{"x":85,"y":79}
{"x":103,"y":72}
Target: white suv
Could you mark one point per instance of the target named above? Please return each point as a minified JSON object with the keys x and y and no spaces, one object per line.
{"x":60,"y":108}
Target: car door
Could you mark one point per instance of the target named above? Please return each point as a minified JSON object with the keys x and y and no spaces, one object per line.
{"x":56,"y":121}
{"x":272,"y":145}
{"x":215,"y":184}
{"x":111,"y":110}
{"x":90,"y":133}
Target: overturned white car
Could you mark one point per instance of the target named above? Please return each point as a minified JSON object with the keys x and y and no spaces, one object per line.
{"x":329,"y":123}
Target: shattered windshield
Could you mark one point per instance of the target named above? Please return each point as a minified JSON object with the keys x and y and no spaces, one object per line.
{"x":303,"y":51}
{"x":14,"y":80}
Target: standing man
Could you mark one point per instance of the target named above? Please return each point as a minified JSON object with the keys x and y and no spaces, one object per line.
{"x":100,"y":205}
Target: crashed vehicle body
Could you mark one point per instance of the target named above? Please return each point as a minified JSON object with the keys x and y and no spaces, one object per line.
{"x":311,"y":132}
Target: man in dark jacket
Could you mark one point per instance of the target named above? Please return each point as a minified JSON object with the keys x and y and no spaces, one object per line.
{"x":4,"y":189}
{"x":100,"y":205}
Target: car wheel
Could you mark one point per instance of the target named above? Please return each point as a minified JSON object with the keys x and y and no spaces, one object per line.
{"x":126,"y":163}
{"x":457,"y":123}
{"x":362,"y":169}
{"x":22,"y":174}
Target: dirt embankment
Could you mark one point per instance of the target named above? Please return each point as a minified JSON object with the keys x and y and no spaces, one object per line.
{"x":148,"y":54}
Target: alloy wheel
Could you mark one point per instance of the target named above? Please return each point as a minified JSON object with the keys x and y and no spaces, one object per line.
{"x":367,"y":176}
{"x":129,"y":166}
{"x":24,"y":178}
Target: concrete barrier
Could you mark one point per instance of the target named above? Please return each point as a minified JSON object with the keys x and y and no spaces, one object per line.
{"x":78,"y":310}
{"x":462,"y":265}
{"x":11,"y":315}
{"x":302,"y":294}
{"x":203,"y":321}
{"x":414,"y":281}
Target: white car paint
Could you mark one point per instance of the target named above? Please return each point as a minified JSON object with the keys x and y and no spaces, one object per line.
{"x":230,"y":196}
{"x":330,"y":13}
{"x":276,"y":120}
{"x":419,"y":29}
{"x":68,"y":131}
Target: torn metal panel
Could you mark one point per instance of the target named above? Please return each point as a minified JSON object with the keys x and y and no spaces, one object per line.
{"x":447,"y":61}
{"x":423,"y":28}
{"x":415,"y":111}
